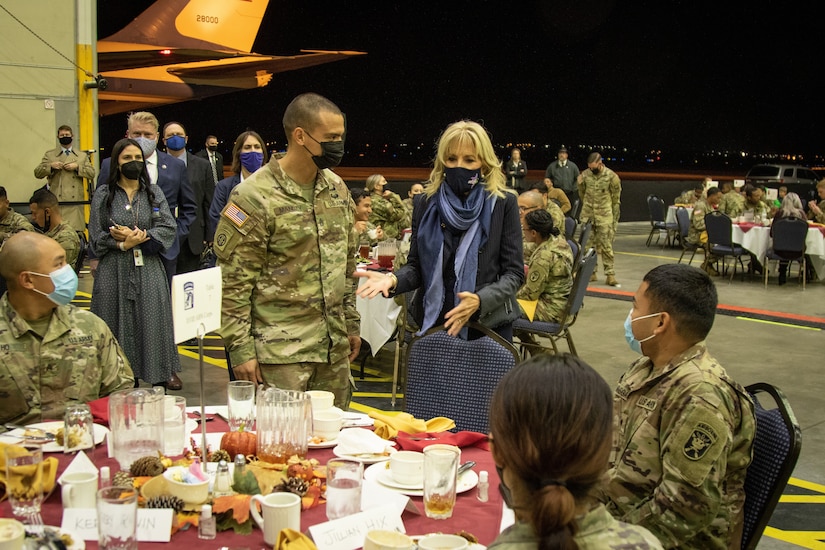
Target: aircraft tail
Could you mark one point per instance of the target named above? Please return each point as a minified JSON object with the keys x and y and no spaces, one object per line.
{"x":196,"y":24}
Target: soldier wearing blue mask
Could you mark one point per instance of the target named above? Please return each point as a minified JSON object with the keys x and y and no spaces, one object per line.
{"x":51,"y":353}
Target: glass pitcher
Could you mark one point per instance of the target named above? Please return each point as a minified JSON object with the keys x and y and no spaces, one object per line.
{"x":136,"y":424}
{"x":284,"y":424}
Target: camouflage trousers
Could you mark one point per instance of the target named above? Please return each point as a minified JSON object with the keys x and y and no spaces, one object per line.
{"x":335,"y":377}
{"x":602,"y":241}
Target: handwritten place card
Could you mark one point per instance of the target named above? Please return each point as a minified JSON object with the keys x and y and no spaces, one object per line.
{"x":375,"y":495}
{"x":154,"y":525}
{"x":348,"y":533}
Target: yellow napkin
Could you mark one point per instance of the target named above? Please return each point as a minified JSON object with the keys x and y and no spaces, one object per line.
{"x":289,"y":539}
{"x":529,"y":308}
{"x":49,"y":470}
{"x":387,"y":426}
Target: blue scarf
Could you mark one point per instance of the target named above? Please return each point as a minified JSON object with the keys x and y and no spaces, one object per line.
{"x":471,"y":216}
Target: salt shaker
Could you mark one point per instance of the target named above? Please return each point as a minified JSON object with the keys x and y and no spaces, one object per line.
{"x":223,"y":482}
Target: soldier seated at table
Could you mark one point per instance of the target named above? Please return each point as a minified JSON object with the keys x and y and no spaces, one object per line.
{"x":51,"y":353}
{"x":697,"y":234}
{"x":692,"y":196}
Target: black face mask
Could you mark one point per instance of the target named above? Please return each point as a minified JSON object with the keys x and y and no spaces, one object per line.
{"x":132,"y":169}
{"x":331,"y":153}
{"x":65,"y":140}
{"x":595,"y":171}
{"x":212,"y":147}
{"x":461,"y":180}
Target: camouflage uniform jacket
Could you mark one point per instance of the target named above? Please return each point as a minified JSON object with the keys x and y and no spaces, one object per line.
{"x":408,"y":205}
{"x":598,"y":530}
{"x":759,"y":209}
{"x":601,"y":197}
{"x":78,"y":360}
{"x":288,"y":292}
{"x":818,"y":218}
{"x":556,"y":213}
{"x":66,"y":236}
{"x":697,"y":220}
{"x":389,"y":214}
{"x":687,"y":197}
{"x":732,"y":204}
{"x":549,"y":279}
{"x":11,"y":223}
{"x":683,"y":440}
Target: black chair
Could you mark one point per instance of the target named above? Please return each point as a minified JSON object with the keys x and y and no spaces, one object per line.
{"x":569,"y":227}
{"x":575,"y":208}
{"x":584,"y":235}
{"x":776,"y":449}
{"x":555,"y":331}
{"x":656,"y":210}
{"x":576,"y":250}
{"x":789,"y":236}
{"x":448,"y":376}
{"x":683,"y":221}
{"x":720,"y":241}
{"x":81,"y":254}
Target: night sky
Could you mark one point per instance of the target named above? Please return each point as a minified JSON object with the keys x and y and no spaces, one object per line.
{"x":673,"y":75}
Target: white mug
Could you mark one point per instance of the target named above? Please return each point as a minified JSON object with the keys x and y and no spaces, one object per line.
{"x":387,"y":540}
{"x":79,"y":490}
{"x":407,"y":467}
{"x":321,"y":400}
{"x":327,"y":424}
{"x":440,"y":541}
{"x":278,"y":511}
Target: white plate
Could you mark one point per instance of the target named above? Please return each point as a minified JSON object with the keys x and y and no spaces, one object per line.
{"x":466,"y":481}
{"x":365,"y":458}
{"x":77,"y":542}
{"x":52,"y":427}
{"x":323,"y":444}
{"x":384,"y":477}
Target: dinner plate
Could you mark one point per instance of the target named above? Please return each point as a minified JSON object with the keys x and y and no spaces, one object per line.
{"x":466,"y":481}
{"x":77,"y":541}
{"x":366,"y":458}
{"x":323,"y":444}
{"x":52,"y":427}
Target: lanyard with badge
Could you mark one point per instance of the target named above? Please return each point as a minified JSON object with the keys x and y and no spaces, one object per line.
{"x":137,"y":253}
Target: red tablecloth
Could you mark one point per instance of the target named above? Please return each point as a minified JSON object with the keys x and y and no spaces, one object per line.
{"x":479,"y":518}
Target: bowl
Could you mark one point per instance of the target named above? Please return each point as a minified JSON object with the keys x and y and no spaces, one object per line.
{"x":321,"y":400}
{"x":12,"y":533}
{"x":189,"y":493}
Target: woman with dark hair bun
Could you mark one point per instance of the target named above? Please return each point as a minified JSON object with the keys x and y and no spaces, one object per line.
{"x":551,"y":421}
{"x":549,"y":269}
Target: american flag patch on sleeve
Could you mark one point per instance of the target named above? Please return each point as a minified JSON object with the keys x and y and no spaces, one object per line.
{"x":234,"y":214}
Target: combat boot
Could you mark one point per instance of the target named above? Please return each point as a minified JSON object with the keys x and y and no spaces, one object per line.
{"x":611,"y":281}
{"x":594,"y":277}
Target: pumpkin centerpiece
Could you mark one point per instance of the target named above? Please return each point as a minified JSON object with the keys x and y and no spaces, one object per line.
{"x":239,"y":443}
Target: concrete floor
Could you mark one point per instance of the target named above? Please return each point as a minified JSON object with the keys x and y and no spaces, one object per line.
{"x":785,"y":354}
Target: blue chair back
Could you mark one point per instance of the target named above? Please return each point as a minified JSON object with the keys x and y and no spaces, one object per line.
{"x":789,"y":236}
{"x":585,"y":269}
{"x":569,"y":227}
{"x":584,"y":235}
{"x":683,"y":221}
{"x":574,"y":247}
{"x":718,"y":226}
{"x":656,"y":208}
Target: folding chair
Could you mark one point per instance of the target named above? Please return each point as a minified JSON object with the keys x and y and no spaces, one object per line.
{"x":789,"y":236}
{"x":584,"y":235}
{"x":403,"y":336}
{"x":81,"y":254}
{"x":448,"y":376}
{"x":656,"y":211}
{"x":574,"y":247}
{"x":720,"y":241}
{"x":555,"y":331}
{"x":683,"y":221}
{"x":776,"y":449}
{"x":569,"y":227}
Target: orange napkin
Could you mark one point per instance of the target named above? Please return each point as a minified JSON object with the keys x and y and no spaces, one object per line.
{"x":49,"y":470}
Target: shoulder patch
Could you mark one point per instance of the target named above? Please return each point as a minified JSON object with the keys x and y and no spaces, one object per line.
{"x":235,"y":214}
{"x":701,"y":438}
{"x":534,"y":276}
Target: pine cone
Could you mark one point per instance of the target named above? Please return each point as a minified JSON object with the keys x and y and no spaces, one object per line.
{"x":165,"y":501}
{"x":293,"y":485}
{"x":122,"y":479}
{"x":147,"y":466}
{"x":219,"y":455}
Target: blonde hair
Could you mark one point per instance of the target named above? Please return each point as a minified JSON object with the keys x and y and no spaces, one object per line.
{"x":372,"y":181}
{"x":143,"y":117}
{"x":466,"y":132}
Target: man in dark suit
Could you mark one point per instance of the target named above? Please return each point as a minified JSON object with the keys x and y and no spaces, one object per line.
{"x":200,"y":176}
{"x":210,"y":153}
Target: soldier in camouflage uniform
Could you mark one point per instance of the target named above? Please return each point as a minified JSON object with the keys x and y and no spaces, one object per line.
{"x":416,"y":189}
{"x":696,"y":232}
{"x":754,"y":205}
{"x":10,"y":221}
{"x":286,"y":243}
{"x":550,"y":268}
{"x":388,"y":212}
{"x":816,"y":211}
{"x":684,"y":429}
{"x":732,"y":203}
{"x":46,"y":213}
{"x":692,"y":196}
{"x":368,"y":233}
{"x":51,"y":355}
{"x":600,"y":190}
{"x":533,"y":200}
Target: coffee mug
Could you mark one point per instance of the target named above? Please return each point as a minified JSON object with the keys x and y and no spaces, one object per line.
{"x":442,"y":542}
{"x":387,"y":540}
{"x":407,"y":467}
{"x":278,"y":511}
{"x":321,"y":400}
{"x":79,"y":490}
{"x":327,"y":424}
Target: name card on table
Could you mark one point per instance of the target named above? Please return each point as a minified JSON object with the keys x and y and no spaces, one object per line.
{"x":374,"y":495}
{"x":154,"y":525}
{"x":196,"y":301}
{"x":349,"y":533}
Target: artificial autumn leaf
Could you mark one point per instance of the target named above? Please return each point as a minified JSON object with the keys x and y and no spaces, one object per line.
{"x":239,"y":504}
{"x":225,"y":521}
{"x":139,"y":481}
{"x":311,"y":498}
{"x":246,"y":483}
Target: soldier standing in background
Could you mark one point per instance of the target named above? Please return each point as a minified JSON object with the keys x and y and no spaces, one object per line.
{"x":601,"y":190}
{"x":286,"y":243}
{"x":65,"y":169}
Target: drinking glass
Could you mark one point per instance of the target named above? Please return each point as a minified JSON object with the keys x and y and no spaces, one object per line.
{"x":78,"y":428}
{"x":440,"y":474}
{"x":240,"y":400}
{"x":284,"y":424}
{"x":117,"y":518}
{"x":343,"y":487}
{"x":24,"y":480}
{"x":174,"y":425}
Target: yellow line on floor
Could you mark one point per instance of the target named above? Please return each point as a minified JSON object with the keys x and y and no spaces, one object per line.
{"x":372,"y":394}
{"x":360,"y":407}
{"x":195,"y":348}
{"x":776,"y":323}
{"x":803,"y":499}
{"x":807,"y":484}
{"x":206,"y":359}
{"x":84,"y":294}
{"x":671,"y":258}
{"x":805,"y":539}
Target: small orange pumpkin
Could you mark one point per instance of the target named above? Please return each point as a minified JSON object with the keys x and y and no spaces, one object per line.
{"x":243,"y":443}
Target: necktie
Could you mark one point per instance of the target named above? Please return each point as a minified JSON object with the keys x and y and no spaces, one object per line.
{"x":214,"y":169}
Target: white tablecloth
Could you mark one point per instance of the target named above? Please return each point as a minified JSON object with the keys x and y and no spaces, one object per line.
{"x":378,"y":317}
{"x":758,"y":240}
{"x":671,"y":213}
